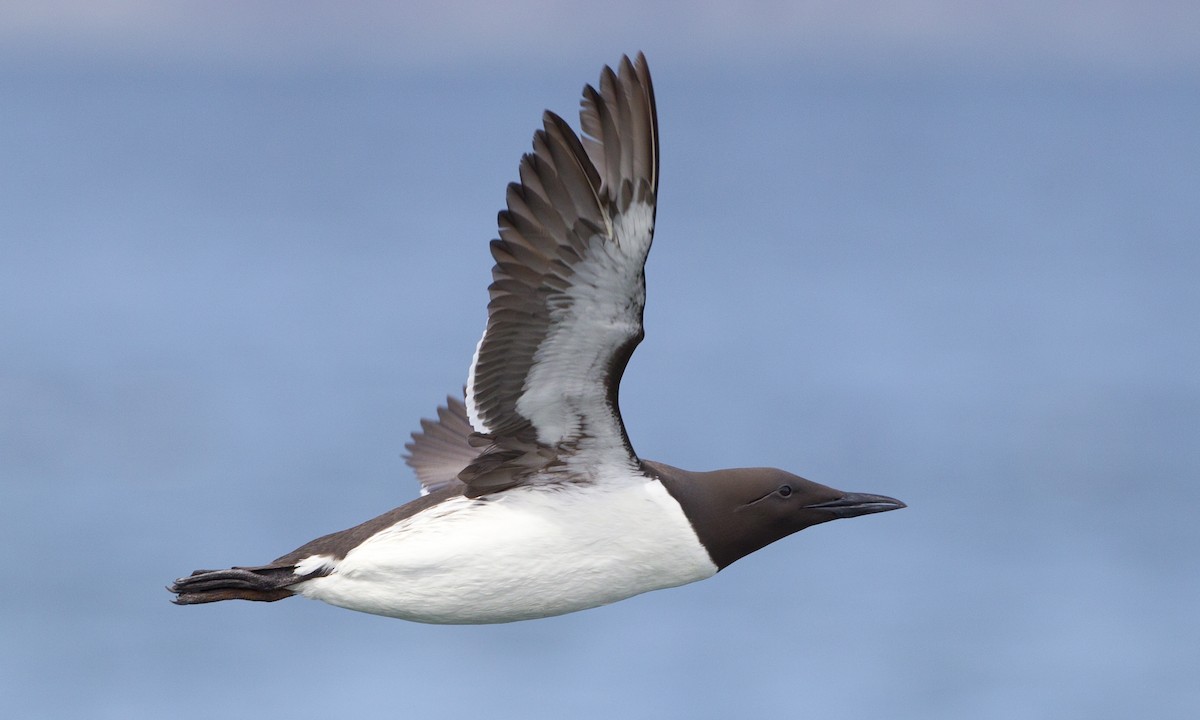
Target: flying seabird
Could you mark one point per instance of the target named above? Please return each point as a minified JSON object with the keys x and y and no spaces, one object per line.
{"x":533,"y":500}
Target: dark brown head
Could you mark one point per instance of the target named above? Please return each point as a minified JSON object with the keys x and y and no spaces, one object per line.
{"x":740,"y":510}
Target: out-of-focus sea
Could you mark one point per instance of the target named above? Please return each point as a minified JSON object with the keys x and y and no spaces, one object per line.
{"x":226,"y":298}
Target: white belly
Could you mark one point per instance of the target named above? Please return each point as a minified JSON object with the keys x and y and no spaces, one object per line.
{"x":524,"y":553}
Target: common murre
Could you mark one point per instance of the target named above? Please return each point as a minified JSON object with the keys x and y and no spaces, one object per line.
{"x":533,"y":501}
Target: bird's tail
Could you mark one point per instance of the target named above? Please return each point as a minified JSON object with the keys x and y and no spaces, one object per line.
{"x":266,"y":583}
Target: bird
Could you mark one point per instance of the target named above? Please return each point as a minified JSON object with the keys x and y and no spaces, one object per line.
{"x":533,"y":501}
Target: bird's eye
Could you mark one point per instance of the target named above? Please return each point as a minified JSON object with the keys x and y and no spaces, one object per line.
{"x":785,"y":490}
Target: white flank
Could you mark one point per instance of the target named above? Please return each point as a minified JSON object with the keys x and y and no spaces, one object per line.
{"x":315,"y":563}
{"x":529,"y":552}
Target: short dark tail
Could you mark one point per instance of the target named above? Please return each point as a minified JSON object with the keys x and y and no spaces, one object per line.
{"x":267,"y":583}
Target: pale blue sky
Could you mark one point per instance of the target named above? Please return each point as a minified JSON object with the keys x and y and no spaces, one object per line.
{"x":1106,"y":34}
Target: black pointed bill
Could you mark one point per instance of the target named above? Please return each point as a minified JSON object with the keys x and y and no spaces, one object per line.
{"x":855,"y":504}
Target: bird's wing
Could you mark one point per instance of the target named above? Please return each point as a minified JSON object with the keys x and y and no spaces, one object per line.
{"x":567,"y":292}
{"x":441,"y":448}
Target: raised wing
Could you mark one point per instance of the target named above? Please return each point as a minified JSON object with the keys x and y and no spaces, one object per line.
{"x":567,"y":291}
{"x":442,"y":448}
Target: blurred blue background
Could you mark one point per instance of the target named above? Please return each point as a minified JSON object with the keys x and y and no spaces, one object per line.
{"x":940,"y":251}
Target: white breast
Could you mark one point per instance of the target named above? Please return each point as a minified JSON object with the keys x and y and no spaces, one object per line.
{"x":529,"y":552}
